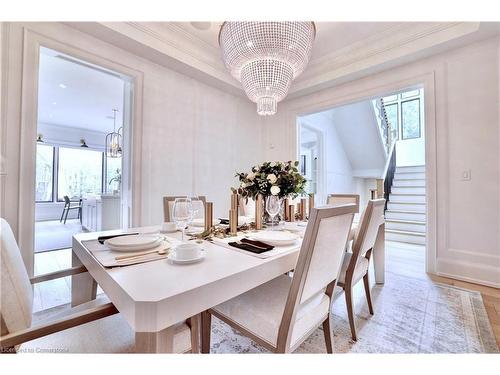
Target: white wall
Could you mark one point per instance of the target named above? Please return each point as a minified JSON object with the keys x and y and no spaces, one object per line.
{"x":465,"y":118}
{"x":194,"y":139}
{"x":339,"y":175}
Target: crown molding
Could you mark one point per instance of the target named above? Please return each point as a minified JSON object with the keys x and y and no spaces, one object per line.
{"x":175,"y":42}
{"x":191,"y":55}
{"x":403,"y":39}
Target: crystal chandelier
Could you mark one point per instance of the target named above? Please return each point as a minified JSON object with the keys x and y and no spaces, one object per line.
{"x":266,"y":57}
{"x":114,"y":140}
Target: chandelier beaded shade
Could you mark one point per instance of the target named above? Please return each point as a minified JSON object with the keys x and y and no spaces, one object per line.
{"x":266,"y":57}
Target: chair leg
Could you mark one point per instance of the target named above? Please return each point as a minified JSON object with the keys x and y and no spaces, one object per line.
{"x":350,"y":311}
{"x":66,"y":217}
{"x":366,"y":283}
{"x":328,"y":335}
{"x":206,"y":329}
{"x":62,"y":215}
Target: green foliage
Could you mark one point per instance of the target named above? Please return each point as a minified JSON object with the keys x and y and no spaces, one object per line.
{"x":272,"y":178}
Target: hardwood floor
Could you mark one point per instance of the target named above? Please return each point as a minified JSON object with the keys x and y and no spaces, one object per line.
{"x":405,"y":259}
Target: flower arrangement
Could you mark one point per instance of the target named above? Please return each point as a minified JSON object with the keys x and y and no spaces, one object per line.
{"x":272,"y":178}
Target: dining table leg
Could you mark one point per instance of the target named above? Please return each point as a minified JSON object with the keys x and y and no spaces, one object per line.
{"x":155,"y":342}
{"x":379,"y":255}
{"x":83,"y":285}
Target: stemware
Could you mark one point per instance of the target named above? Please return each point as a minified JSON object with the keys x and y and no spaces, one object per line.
{"x":182,"y":213}
{"x":198,"y":208}
{"x":273,"y":207}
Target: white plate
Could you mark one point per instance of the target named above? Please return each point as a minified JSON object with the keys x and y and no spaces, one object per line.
{"x":275,"y":238}
{"x":133,"y":243}
{"x":172,"y":258}
{"x":201,"y":222}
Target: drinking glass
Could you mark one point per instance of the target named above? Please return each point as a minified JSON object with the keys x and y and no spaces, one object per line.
{"x":273,"y":207}
{"x":198,"y":207}
{"x":182,"y":213}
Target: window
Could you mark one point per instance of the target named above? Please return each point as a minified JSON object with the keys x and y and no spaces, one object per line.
{"x":79,"y":172}
{"x":44,"y":173}
{"x":403,"y":113}
{"x":410,"y":119}
{"x":113,"y":174}
{"x":391,"y":111}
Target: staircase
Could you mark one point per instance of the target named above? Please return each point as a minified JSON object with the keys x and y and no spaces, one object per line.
{"x":405,"y":216}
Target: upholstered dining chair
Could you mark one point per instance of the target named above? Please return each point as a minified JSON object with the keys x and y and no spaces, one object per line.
{"x":357,"y":263}
{"x":93,"y":327}
{"x":340,"y":199}
{"x":168,"y":205}
{"x":285,"y":311}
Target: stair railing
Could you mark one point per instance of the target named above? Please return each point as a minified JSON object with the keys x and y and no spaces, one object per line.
{"x":389,"y":171}
{"x":386,"y":130}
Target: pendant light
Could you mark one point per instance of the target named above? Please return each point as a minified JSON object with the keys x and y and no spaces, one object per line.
{"x":114,"y":141}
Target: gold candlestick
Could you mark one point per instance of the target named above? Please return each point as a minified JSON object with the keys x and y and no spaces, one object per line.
{"x":287,"y":218}
{"x":302,"y":208}
{"x":233,"y":222}
{"x":291,"y":212}
{"x":234,"y":202}
{"x":209,"y":209}
{"x":258,"y":212}
{"x":311,"y":203}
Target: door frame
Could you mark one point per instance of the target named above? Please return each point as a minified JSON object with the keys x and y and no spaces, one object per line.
{"x":32,"y":41}
{"x":426,"y":81}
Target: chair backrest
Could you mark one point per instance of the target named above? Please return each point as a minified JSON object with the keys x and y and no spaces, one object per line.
{"x":320,"y":258}
{"x":341,"y":199}
{"x":168,"y":205}
{"x":67,"y":201}
{"x":16,"y":305}
{"x":366,"y":232}
{"x":247,"y":208}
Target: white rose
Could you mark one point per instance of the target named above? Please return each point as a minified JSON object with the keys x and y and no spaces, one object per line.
{"x":275,"y":190}
{"x":272,"y":178}
{"x":273,"y":164}
{"x":243,"y":185}
{"x":251,"y":176}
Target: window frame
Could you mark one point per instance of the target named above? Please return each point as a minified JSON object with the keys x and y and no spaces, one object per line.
{"x":51,"y":200}
{"x":56,"y":197}
{"x":417,"y":98}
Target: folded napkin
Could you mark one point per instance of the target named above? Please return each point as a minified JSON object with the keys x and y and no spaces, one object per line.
{"x":252,"y":246}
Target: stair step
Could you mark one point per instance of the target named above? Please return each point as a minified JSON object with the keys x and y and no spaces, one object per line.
{"x":405,"y":236}
{"x":410,"y":182}
{"x":408,"y":190}
{"x":413,"y":168}
{"x":406,"y":206}
{"x":405,"y":225}
{"x":405,"y":215}
{"x":409,"y":198}
{"x":409,"y":175}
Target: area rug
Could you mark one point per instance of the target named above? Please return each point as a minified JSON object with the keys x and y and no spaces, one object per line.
{"x":411,"y":316}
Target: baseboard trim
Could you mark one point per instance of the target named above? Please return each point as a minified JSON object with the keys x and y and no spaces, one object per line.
{"x":473,"y":273}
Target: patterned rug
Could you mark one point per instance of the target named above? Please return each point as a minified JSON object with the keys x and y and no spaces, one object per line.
{"x":411,"y":316}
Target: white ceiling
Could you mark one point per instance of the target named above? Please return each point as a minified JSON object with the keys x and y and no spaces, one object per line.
{"x":330,"y":36}
{"x":76,"y":95}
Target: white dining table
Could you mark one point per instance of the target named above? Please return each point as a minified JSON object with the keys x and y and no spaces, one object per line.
{"x":154,"y":296}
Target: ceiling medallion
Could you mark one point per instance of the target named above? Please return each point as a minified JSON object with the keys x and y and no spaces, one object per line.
{"x":266,"y":57}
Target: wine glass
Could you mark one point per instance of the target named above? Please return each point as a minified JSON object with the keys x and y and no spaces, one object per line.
{"x":273,"y":206}
{"x":182,"y":213}
{"x":198,"y":208}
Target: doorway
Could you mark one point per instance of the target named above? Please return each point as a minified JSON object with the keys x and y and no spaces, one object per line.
{"x":82,"y":159}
